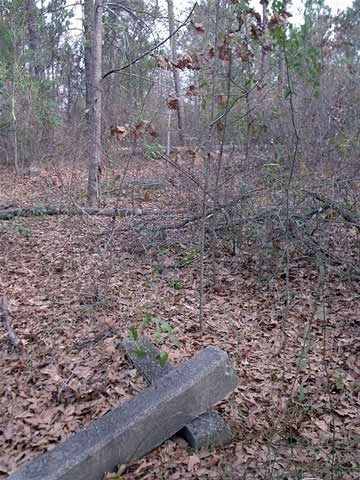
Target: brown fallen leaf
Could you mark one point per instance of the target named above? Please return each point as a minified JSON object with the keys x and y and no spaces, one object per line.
{"x":192,"y":462}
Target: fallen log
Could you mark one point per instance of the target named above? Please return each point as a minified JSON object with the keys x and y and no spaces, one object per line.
{"x":141,"y":424}
{"x":13,"y":212}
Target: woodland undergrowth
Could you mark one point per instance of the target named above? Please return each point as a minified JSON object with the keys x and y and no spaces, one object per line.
{"x":285,"y":308}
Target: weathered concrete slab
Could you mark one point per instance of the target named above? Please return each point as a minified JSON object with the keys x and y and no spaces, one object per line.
{"x":206,"y":430}
{"x":141,"y":424}
{"x":148,"y":364}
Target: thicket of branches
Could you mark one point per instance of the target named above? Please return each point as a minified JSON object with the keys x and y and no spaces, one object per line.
{"x":266,"y":109}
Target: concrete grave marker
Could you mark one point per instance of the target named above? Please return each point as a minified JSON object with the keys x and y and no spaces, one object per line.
{"x":130,"y":431}
{"x":204,"y":431}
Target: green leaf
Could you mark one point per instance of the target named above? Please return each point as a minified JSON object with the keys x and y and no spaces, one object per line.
{"x":158,"y":337}
{"x":146,"y":321}
{"x":133,"y":332}
{"x":176,"y":284}
{"x":163,"y":357}
{"x":165,"y":326}
{"x":140,"y":352}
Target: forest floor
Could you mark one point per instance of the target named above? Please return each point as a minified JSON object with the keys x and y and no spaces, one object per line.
{"x":76,"y":284}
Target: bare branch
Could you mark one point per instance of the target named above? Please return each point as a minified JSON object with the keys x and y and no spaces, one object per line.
{"x":14,"y":339}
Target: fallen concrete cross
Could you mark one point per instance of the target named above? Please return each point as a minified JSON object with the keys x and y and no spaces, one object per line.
{"x":141,"y":424}
{"x":204,"y":431}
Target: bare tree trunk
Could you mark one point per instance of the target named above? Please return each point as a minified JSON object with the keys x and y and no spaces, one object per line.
{"x":88,"y":22}
{"x":14,"y":120}
{"x":180,"y":109}
{"x":34,"y":39}
{"x":249,"y":120}
{"x":168,"y":139}
{"x":95,"y":114}
{"x":281,"y":68}
{"x":207,"y":172}
{"x":263,"y":52}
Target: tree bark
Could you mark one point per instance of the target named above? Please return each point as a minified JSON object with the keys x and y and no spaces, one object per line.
{"x":281,"y":61}
{"x":34,"y":39}
{"x":263,"y":52}
{"x":173,"y":44}
{"x":95,"y":113}
{"x":88,"y":22}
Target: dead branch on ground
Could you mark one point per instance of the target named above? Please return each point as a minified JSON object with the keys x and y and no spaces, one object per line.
{"x":4,"y":312}
{"x":10,"y":213}
{"x":345,"y":213}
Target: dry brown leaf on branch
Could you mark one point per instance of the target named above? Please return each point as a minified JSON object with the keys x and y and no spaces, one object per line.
{"x":244,"y":52}
{"x":143,"y":127}
{"x":195,"y":61}
{"x":173,"y":103}
{"x":224,"y":52}
{"x":191,"y":62}
{"x":151,"y":131}
{"x":255,"y":32}
{"x":278,"y":19}
{"x":193,"y":91}
{"x":199,"y":28}
{"x":120,"y":132}
{"x":137,"y":131}
{"x":221,"y":100}
{"x":183,"y":62}
{"x":220,"y":126}
{"x":140,"y":129}
{"x":162,"y":62}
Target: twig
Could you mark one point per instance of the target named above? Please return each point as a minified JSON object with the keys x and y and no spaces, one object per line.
{"x":64,"y":385}
{"x":332,"y":425}
{"x":14,"y":339}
